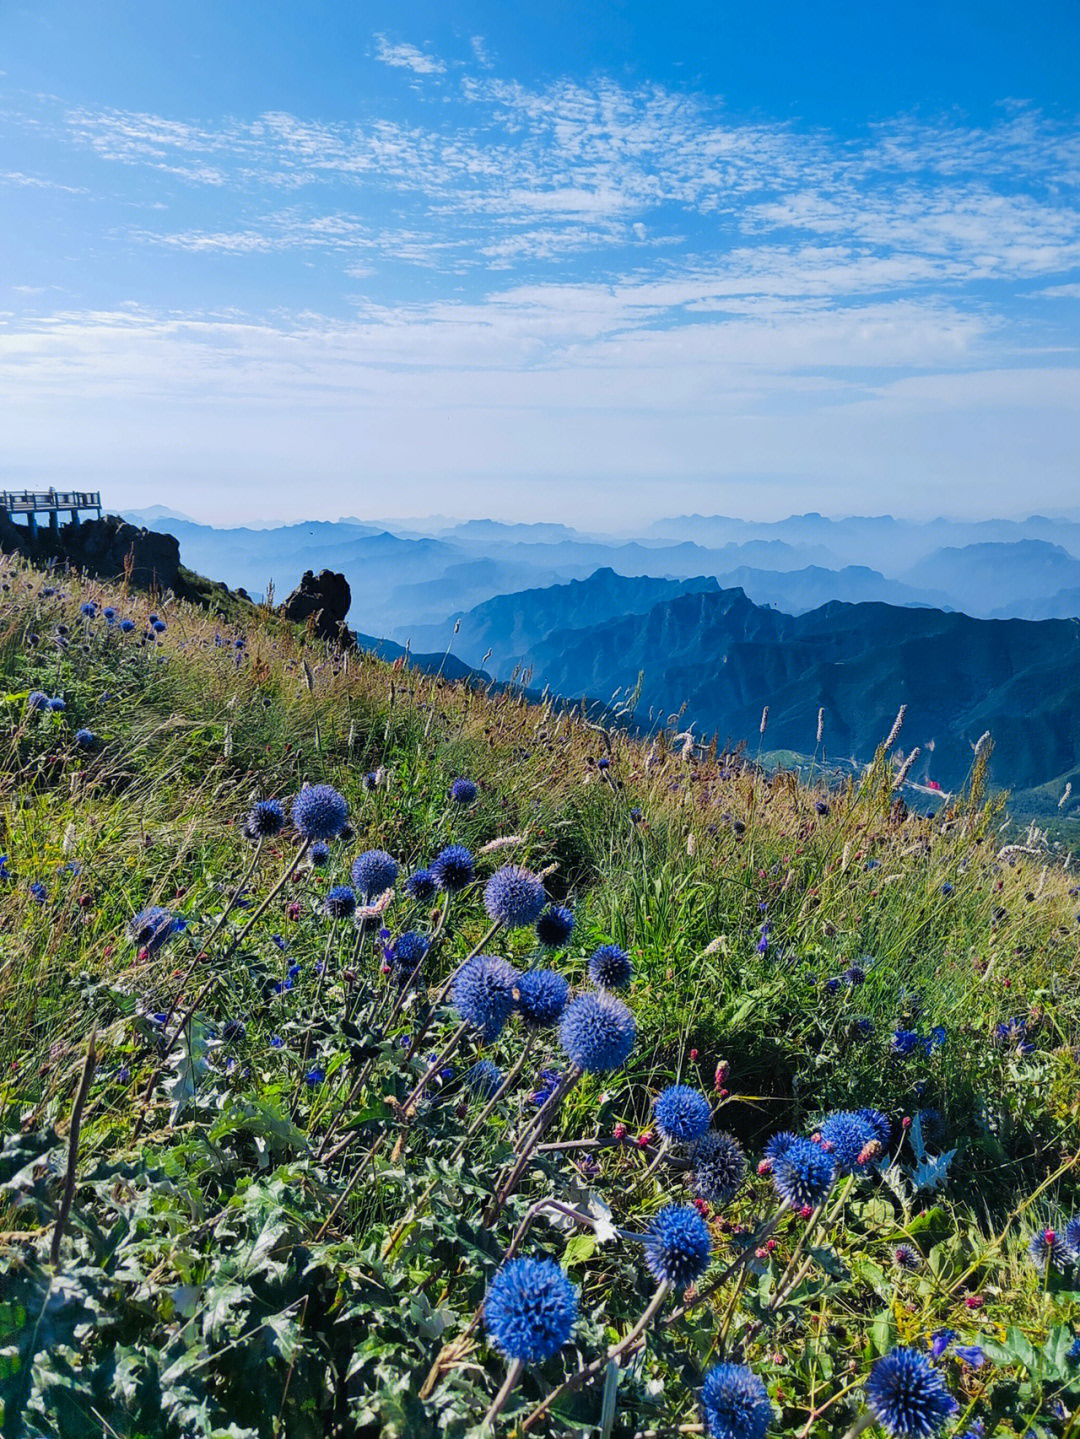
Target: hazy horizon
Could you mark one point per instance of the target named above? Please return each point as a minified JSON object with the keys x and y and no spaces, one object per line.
{"x":539,"y":262}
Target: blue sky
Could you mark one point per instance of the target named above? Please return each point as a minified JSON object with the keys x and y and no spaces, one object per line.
{"x":542,"y":261}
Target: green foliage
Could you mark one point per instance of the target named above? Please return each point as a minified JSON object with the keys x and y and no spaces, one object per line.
{"x":261,"y":1244}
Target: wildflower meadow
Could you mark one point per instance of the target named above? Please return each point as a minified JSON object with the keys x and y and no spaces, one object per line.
{"x":385,"y":1056}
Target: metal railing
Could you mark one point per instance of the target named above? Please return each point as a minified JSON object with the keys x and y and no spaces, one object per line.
{"x":33,"y":502}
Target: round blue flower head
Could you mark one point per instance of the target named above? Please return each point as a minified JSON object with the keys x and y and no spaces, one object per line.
{"x":319,"y":812}
{"x":267,"y":818}
{"x":453,"y":868}
{"x":484,"y":1079}
{"x":483,"y":994}
{"x":514,"y":896}
{"x":530,"y":1310}
{"x":597,"y":1032}
{"x":85,"y":738}
{"x":373,"y":872}
{"x":555,"y":926}
{"x":610,"y":967}
{"x":318,"y":854}
{"x":151,"y":927}
{"x":421,"y":884}
{"x":880,"y":1123}
{"x":682,"y":1113}
{"x":542,"y":996}
{"x":907,"y":1395}
{"x":340,"y":902}
{"x":1071,"y":1237}
{"x":1048,"y":1247}
{"x":735,"y":1403}
{"x":719,"y":1166}
{"x":677,"y":1245}
{"x":159,"y":627}
{"x":463,"y":791}
{"x":109,"y":613}
{"x":803,"y":1174}
{"x":127,"y":626}
{"x":37,"y":700}
{"x":848,"y":1134}
{"x":89,"y":609}
{"x":408,"y":951}
{"x":779,"y":1143}
{"x":905,"y":1256}
{"x":56,"y":704}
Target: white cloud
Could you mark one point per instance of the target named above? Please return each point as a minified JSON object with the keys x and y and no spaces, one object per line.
{"x":407,"y":57}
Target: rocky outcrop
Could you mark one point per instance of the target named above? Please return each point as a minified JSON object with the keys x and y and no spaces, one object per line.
{"x":321,"y":602}
{"x":108,"y":547}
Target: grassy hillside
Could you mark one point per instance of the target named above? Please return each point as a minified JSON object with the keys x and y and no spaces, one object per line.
{"x":235,"y":1201}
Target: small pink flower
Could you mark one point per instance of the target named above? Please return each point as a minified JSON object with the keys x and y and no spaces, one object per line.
{"x":974,"y":1301}
{"x":619,"y":1132}
{"x":770,"y":1245}
{"x":644,"y":1140}
{"x":693,"y":1054}
{"x":765,"y":1167}
{"x":806,"y":1211}
{"x":905,"y":1123}
{"x":761,"y":1254}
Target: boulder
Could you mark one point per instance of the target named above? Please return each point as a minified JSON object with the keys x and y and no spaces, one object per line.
{"x":107,"y":547}
{"x":321,"y":602}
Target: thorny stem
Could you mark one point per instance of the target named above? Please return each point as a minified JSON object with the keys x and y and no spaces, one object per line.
{"x":433,"y":1068}
{"x":543,"y":1119}
{"x":73,"y":1150}
{"x":444,"y":988}
{"x":513,"y":1374}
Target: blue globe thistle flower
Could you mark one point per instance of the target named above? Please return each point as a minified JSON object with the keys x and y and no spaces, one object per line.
{"x":420,"y":884}
{"x":38,"y":890}
{"x":848,"y":1134}
{"x":484,"y":1079}
{"x":1071,"y":1237}
{"x":530,"y":1310}
{"x":373,"y":872}
{"x":735,"y":1403}
{"x":319,"y":812}
{"x":56,"y":704}
{"x":483,"y":994}
{"x":151,"y":618}
{"x":463,"y":791}
{"x":266,"y":819}
{"x":879,"y":1122}
{"x":340,"y":902}
{"x":152,"y":926}
{"x":855,"y":974}
{"x":109,"y":613}
{"x":906,"y":1256}
{"x":804,"y":1174}
{"x":542,"y":996}
{"x":719,"y":1165}
{"x":907,"y":1395}
{"x":453,"y":868}
{"x":610,"y":967}
{"x":159,"y":627}
{"x":555,"y":926}
{"x":407,"y":952}
{"x":126,"y":626}
{"x":677,"y":1245}
{"x":514,"y":896}
{"x":682,"y":1113}
{"x":550,"y":1079}
{"x":37,"y":700}
{"x":597,"y":1032}
{"x":1048,"y":1247}
{"x":779,"y":1143}
{"x":89,"y":610}
{"x":85,"y":738}
{"x":319,"y":854}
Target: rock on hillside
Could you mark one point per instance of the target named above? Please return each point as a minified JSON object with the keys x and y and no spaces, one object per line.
{"x":109,"y":547}
{"x":321,"y":601}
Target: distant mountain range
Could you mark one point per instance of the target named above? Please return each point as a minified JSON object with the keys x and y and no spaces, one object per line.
{"x":721,"y":617}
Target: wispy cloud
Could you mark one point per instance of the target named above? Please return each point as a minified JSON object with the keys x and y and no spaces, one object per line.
{"x":408,"y":57}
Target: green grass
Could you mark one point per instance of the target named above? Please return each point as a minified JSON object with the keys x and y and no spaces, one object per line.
{"x":200,"y":1289}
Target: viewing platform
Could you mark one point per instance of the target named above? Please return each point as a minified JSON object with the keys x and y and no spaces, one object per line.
{"x":32,"y":503}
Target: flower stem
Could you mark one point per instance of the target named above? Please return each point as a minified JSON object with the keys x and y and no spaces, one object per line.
{"x":513,"y":1374}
